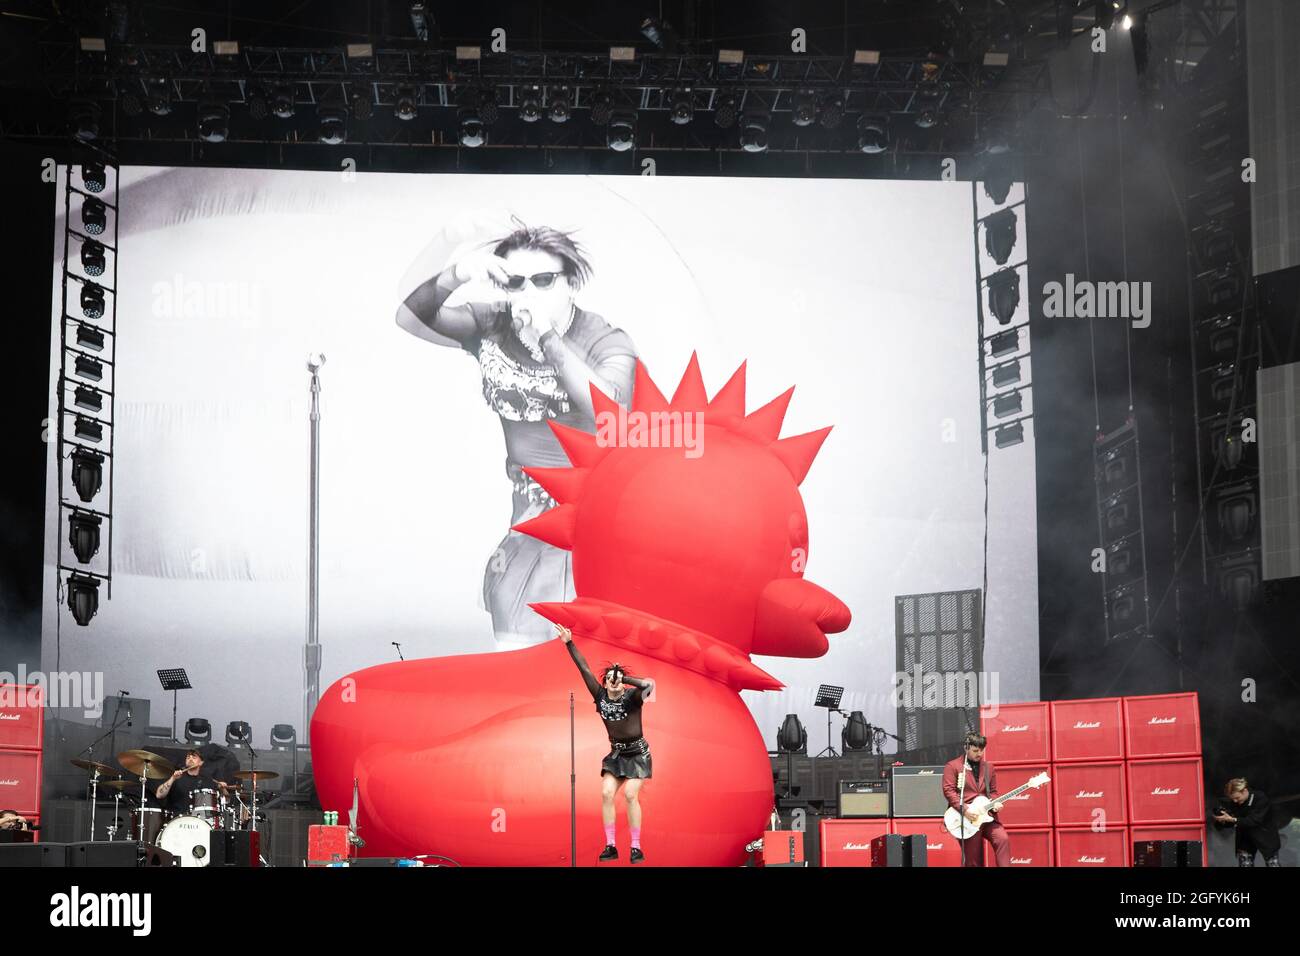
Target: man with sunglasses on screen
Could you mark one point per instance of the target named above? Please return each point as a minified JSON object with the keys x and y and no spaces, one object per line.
{"x":538,"y":354}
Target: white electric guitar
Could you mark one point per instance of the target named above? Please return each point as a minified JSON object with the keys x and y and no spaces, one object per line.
{"x":980,"y":807}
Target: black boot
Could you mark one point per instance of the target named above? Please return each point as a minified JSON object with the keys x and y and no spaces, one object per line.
{"x":609,"y":853}
{"x":637,"y":855}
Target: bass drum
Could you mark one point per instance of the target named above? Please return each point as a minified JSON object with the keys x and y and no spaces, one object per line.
{"x":187,"y":838}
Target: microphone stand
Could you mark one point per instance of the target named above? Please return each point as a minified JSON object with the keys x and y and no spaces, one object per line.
{"x":573,"y":791}
{"x":961,"y":808}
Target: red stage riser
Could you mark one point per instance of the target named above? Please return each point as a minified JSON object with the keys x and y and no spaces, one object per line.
{"x":941,"y":847}
{"x":1080,"y":788}
{"x":1162,"y":725}
{"x":1031,"y":847}
{"x":1033,"y":808}
{"x":1018,"y":733}
{"x":1165,"y":791}
{"x":20,"y":781}
{"x":848,"y":842}
{"x":1087,"y":731}
{"x":22,"y":718}
{"x":1084,"y":847}
{"x":1139,"y":834}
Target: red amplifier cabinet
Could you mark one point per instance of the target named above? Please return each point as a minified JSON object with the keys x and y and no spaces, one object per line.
{"x":1033,"y":808}
{"x":848,"y":842}
{"x":1085,"y":847}
{"x":1080,"y":789}
{"x":327,"y":844}
{"x":20,"y":781}
{"x":1035,"y":847}
{"x":1163,"y":725}
{"x":941,"y":847}
{"x":783,"y":848}
{"x":1182,"y":832}
{"x":22,"y":716}
{"x":1018,"y":733}
{"x":1088,"y":730}
{"x":1166,"y":791}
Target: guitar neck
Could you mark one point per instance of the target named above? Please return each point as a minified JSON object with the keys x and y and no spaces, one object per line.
{"x":1011,"y":793}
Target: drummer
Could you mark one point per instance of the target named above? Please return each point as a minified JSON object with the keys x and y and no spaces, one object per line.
{"x":174,"y":792}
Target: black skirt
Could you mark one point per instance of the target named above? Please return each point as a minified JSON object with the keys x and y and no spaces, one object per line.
{"x":632,"y":760}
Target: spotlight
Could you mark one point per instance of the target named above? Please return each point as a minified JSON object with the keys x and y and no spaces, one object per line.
{"x":805,"y":110}
{"x":88,"y":398}
{"x":1007,"y":405}
{"x":683,"y":109}
{"x":83,"y":535}
{"x":661,"y":34}
{"x":1007,"y":435}
{"x":602,"y":109}
{"x":283,"y":737}
{"x":198,"y":731}
{"x":1007,"y":373}
{"x":281,"y":102}
{"x":472,"y":133}
{"x":1106,"y":13}
{"x":92,"y":300}
{"x":333,"y":125}
{"x":1004,"y":343}
{"x":997,"y":181}
{"x":238,"y":733}
{"x":92,"y":257}
{"x":873,"y":134}
{"x":831,"y":112}
{"x":159,"y":100}
{"x":1000,"y":235}
{"x":94,"y":217}
{"x":1127,"y":22}
{"x":724,"y":114}
{"x":487,"y":106}
{"x":530,"y":105}
{"x":1237,"y":513}
{"x":856,"y":734}
{"x":753,"y":133}
{"x":621,"y":133}
{"x":93,"y":178}
{"x":792,"y":736}
{"x":87,"y":472}
{"x":90,"y":368}
{"x":405,"y":103}
{"x":927,"y":119}
{"x":83,"y":597}
{"x":214,"y":121}
{"x":88,"y":429}
{"x":561,"y":105}
{"x":85,"y":120}
{"x":90,"y":337}
{"x":361,"y":103}
{"x":1004,"y":294}
{"x":420,"y":21}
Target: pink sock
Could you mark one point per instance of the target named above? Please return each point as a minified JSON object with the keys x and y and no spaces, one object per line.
{"x":609,"y":834}
{"x":636,"y":837}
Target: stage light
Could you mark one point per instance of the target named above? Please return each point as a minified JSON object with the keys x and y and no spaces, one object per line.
{"x":1007,"y":435}
{"x":259,"y":108}
{"x":1237,"y":511}
{"x":93,"y":45}
{"x":487,"y":107}
{"x":238,"y":733}
{"x":873,"y":133}
{"x":85,"y":120}
{"x":283,"y":737}
{"x":333,"y":125}
{"x":602,"y":108}
{"x":87,"y":472}
{"x":1106,"y":13}
{"x":621,"y":133}
{"x":832,"y":112}
{"x":472,"y":134}
{"x":660,"y":33}
{"x":753,"y":132}
{"x":1008,"y":373}
{"x":724,"y":113}
{"x":805,"y":110}
{"x":94,"y":217}
{"x":132,"y":105}
{"x":1007,"y":405}
{"x":227,"y":48}
{"x":92,"y":258}
{"x":856,"y":734}
{"x":1238,"y":581}
{"x":1004,"y":343}
{"x":214,"y":121}
{"x":83,"y":597}
{"x":405,"y":103}
{"x":92,"y":300}
{"x":997,"y":178}
{"x":1000,"y":235}
{"x":1004,"y":294}
{"x":560,"y":105}
{"x":198,"y":731}
{"x":683,"y":108}
{"x":91,"y":399}
{"x":159,"y":99}
{"x":866,"y":57}
{"x":93,"y":177}
{"x":420,"y":20}
{"x":530,"y":104}
{"x":90,"y":368}
{"x":83,"y":535}
{"x":281,"y":102}
{"x":90,"y":337}
{"x":792,"y":737}
{"x":622,"y":54}
{"x":88,"y":429}
{"x":927,"y":119}
{"x":360,"y":102}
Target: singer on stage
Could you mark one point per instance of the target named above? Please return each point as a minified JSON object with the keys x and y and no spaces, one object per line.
{"x":628,"y":762}
{"x":980,"y":779}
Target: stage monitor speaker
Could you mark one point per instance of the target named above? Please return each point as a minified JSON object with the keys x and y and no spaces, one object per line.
{"x":918,"y":792}
{"x":864,"y":798}
{"x":1167,"y":853}
{"x":234,"y":848}
{"x":33,"y":854}
{"x":117,"y":853}
{"x":894,"y":849}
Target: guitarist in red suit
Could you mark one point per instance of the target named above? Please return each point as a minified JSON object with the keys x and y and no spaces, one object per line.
{"x":980,"y":780}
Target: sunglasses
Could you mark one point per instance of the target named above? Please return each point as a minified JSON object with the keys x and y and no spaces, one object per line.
{"x":542,"y":280}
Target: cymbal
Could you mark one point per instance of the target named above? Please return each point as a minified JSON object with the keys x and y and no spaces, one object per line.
{"x":143,"y":763}
{"x":121,"y":784}
{"x":92,"y":766}
{"x":256,"y":775}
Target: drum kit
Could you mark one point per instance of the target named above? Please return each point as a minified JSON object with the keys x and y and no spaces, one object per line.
{"x":185,"y":835}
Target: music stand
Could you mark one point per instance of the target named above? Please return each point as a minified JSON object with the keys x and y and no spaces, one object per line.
{"x":829,"y":696}
{"x":174,"y":679}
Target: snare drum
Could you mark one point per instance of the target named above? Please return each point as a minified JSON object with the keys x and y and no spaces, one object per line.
{"x":206,"y":805}
{"x":147,"y":832}
{"x":187,"y":838}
